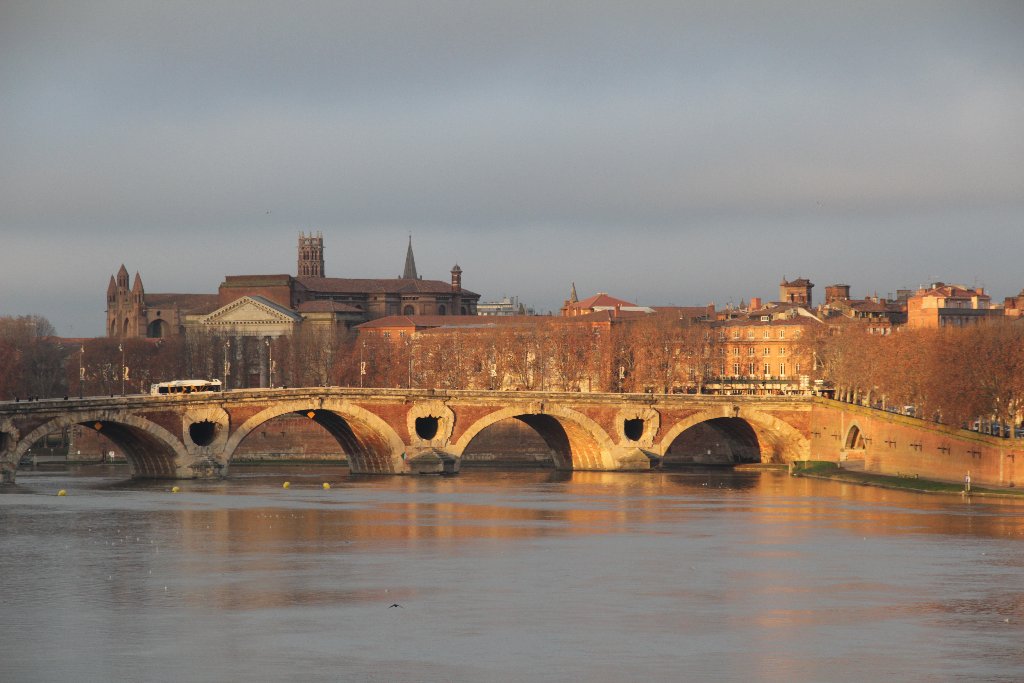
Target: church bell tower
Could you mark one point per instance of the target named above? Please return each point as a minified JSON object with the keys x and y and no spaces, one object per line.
{"x":311,"y":255}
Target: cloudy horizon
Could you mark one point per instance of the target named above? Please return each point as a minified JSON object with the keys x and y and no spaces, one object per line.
{"x":664,"y":152}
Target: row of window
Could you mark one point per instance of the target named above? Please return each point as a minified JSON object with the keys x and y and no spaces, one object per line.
{"x":766,"y":334}
{"x":751,"y":351}
{"x":752,"y":368}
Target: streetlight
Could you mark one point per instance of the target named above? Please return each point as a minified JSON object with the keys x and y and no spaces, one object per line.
{"x":81,"y":369}
{"x":270,"y":362}
{"x":227,"y":365}
{"x":410,"y":363}
{"x":120,"y":347}
{"x":362,"y":364}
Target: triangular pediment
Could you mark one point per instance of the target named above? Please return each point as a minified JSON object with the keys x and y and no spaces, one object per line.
{"x":250,"y":310}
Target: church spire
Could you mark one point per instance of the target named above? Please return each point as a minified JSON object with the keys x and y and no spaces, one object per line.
{"x":573,"y":299}
{"x":410,"y":264}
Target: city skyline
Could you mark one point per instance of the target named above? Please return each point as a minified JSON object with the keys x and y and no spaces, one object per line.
{"x":665,"y":153}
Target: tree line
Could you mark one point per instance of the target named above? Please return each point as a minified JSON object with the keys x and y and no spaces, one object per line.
{"x":953,"y":374}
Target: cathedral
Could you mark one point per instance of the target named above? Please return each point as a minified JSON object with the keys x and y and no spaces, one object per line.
{"x":276,"y":305}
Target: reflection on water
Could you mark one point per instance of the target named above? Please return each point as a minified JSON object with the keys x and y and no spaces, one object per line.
{"x":503,"y":576}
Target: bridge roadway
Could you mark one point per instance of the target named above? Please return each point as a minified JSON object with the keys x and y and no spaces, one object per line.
{"x":399,"y":431}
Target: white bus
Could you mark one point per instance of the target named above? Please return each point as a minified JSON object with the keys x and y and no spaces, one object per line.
{"x":185,"y":386}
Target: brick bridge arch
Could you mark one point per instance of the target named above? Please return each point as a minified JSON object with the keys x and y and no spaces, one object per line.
{"x":777,"y":440}
{"x":152,"y":451}
{"x":371,"y":444}
{"x":578,"y":442}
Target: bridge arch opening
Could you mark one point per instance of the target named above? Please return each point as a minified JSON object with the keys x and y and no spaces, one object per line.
{"x":150,"y":451}
{"x":508,"y":443}
{"x":572,"y":441}
{"x":717,"y":441}
{"x":325,"y":434}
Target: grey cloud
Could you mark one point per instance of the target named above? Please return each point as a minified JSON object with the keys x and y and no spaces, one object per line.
{"x":690,"y":127}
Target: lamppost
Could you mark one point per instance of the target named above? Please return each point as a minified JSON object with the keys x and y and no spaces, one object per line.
{"x":81,"y":369}
{"x":227,"y":364}
{"x":362,"y":364}
{"x":410,"y":363}
{"x":270,"y":362}
{"x":120,"y":347}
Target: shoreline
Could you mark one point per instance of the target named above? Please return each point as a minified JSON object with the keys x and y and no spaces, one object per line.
{"x":830,"y":471}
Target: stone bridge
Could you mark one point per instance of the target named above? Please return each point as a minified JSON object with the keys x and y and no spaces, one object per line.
{"x":392,"y":431}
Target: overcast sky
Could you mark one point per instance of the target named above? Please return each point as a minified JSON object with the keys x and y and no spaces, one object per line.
{"x":663,"y":152}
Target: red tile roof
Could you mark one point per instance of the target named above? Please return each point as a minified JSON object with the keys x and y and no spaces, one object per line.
{"x":339,"y":285}
{"x":195,"y":304}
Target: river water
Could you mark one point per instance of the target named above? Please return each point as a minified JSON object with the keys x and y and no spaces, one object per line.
{"x":505,"y":576}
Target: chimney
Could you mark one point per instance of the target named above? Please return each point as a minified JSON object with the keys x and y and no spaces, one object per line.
{"x":755,"y":303}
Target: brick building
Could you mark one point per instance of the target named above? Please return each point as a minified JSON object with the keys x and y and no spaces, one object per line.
{"x":275,"y":304}
{"x":940,"y":305}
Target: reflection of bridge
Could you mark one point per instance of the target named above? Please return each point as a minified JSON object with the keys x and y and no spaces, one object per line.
{"x":384,"y":431}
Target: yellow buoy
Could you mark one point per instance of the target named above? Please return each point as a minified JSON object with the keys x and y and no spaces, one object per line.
{"x":286,"y":485}
{"x":326,"y":486}
{"x":175,"y":489}
{"x":62,"y":492}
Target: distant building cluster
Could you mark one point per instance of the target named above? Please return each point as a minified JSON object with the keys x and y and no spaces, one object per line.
{"x":755,"y":347}
{"x":278,"y":305}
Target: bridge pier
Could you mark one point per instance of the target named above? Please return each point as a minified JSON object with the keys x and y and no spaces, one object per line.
{"x":633,"y":459}
{"x":430,"y":460}
{"x":7,"y":470}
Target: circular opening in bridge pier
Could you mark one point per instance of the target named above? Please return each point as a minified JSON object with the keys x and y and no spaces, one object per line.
{"x":426,"y":427}
{"x":202,"y":433}
{"x":633,"y":429}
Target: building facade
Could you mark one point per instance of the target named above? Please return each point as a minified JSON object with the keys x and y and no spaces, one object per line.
{"x":941,"y":305}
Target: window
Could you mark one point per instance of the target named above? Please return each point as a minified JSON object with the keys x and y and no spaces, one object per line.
{"x":750,"y":368}
{"x":782,"y":350}
{"x":735,"y":350}
{"x":797,"y":368}
{"x":735,"y":368}
{"x":782,"y":369}
{"x":782,"y":334}
{"x":767,"y":351}
{"x":767,"y":369}
{"x":767,"y":334}
{"x":735,"y":334}
{"x":750,"y":351}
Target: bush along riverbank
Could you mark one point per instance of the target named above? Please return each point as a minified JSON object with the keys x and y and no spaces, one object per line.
{"x":817,"y":469}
